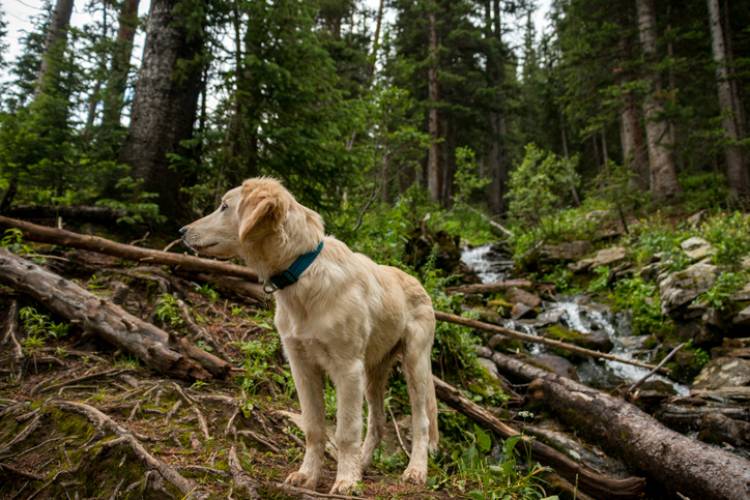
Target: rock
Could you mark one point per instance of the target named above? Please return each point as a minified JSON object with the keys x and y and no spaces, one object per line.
{"x":604,"y":257}
{"x":498,"y":342}
{"x":597,"y":340}
{"x":742,"y":295}
{"x":484,"y":352}
{"x":516,"y":296}
{"x":549,"y":317}
{"x":555,"y":364}
{"x":682,"y":287}
{"x":569,"y":250}
{"x":490,"y":366}
{"x":697,"y":248}
{"x":742,"y":318}
{"x":520,"y":310}
{"x":717,"y":428}
{"x":723,"y":372}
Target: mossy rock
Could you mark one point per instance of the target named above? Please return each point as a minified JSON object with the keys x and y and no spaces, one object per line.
{"x":598,"y":341}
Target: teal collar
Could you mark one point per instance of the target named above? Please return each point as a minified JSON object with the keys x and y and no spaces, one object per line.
{"x":292,"y":274}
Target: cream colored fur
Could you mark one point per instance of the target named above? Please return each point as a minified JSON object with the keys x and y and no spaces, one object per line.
{"x":347,"y":317}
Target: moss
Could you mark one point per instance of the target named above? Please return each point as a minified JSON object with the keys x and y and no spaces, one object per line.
{"x":560,"y":332}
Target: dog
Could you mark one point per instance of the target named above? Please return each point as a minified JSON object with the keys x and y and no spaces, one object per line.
{"x":345,"y":316}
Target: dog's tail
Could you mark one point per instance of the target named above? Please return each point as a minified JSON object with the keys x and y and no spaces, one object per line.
{"x":432,"y":414}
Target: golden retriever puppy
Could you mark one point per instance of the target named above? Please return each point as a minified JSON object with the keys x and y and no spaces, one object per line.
{"x":346,"y":317}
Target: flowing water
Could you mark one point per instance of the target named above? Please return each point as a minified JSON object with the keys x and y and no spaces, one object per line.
{"x":579,"y":314}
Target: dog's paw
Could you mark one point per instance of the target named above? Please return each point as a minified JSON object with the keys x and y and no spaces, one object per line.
{"x":343,"y":486}
{"x":302,"y":480}
{"x":414,"y":475}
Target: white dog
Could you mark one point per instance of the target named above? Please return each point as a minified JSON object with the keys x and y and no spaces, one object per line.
{"x":338,"y":313}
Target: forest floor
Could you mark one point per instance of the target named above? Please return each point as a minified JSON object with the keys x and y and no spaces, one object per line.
{"x":49,"y":450}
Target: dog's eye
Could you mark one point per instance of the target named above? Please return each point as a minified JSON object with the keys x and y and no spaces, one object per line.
{"x":223,"y":207}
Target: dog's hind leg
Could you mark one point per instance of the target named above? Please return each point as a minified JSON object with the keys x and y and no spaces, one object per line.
{"x":376,"y":385}
{"x":418,"y":370}
{"x":308,"y":379}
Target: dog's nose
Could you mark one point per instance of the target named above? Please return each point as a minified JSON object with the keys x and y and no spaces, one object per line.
{"x":183,"y":230}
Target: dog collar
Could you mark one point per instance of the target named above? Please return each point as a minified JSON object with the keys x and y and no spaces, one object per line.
{"x":292,"y":274}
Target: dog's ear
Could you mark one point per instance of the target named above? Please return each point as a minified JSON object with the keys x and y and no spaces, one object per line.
{"x":260,"y":211}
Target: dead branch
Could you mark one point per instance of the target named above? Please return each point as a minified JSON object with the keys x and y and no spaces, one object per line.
{"x":79,"y":212}
{"x":103,"y":422}
{"x":479,"y":325}
{"x":155,"y":347}
{"x":590,"y":481}
{"x":296,"y":490}
{"x":675,"y":460}
{"x":497,"y":286}
{"x":10,"y":334}
{"x":398,"y":432}
{"x":198,"y":332}
{"x":44,"y":234}
{"x":636,"y":385}
{"x":241,"y":479}
{"x":82,"y":378}
{"x":257,"y":437}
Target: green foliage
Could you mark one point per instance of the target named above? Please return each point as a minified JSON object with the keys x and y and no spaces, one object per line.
{"x":600,"y":281}
{"x":641,"y":300}
{"x":39,"y":328}
{"x":167,"y":311}
{"x":467,"y":180}
{"x":13,"y":240}
{"x":540,"y":184}
{"x":260,"y":366}
{"x":730,"y":235}
{"x":727,"y":284}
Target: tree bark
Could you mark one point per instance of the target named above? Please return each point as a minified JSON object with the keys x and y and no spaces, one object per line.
{"x":104,"y":215}
{"x":634,"y":154}
{"x":737,"y":168}
{"x":54,"y":236}
{"x":376,"y":40}
{"x":496,"y":158}
{"x":494,"y":287}
{"x":148,"y":343}
{"x":54,"y":46}
{"x":434,"y":166}
{"x":679,"y":463}
{"x":114,"y":95}
{"x":587,"y":479}
{"x":166,"y":101}
{"x":663,"y":173}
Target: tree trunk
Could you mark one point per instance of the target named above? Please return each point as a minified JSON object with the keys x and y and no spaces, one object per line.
{"x":54,"y":236}
{"x":737,"y":168}
{"x":376,"y":40}
{"x":588,"y":480}
{"x":54,"y":46}
{"x":434,"y":166}
{"x":166,"y":100}
{"x":679,"y":463}
{"x":496,"y":159}
{"x":155,"y":347}
{"x":114,"y":95}
{"x":634,"y":154}
{"x":663,"y":176}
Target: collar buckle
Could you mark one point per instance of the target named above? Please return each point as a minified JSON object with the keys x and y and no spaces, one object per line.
{"x":269,"y":287}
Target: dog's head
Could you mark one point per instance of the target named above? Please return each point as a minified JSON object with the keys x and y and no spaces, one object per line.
{"x":261,"y":210}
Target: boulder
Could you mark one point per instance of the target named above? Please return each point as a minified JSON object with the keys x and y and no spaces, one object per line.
{"x":597,"y":340}
{"x":566,"y":251}
{"x":555,"y":364}
{"x":682,"y":287}
{"x":518,"y":296}
{"x":604,"y":257}
{"x":743,"y":295}
{"x":742,"y":318}
{"x":723,"y":372}
{"x":521,"y":310}
{"x":697,"y":248}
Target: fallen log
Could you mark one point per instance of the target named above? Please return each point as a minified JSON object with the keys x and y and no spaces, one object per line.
{"x":479,"y":325}
{"x":679,"y":463}
{"x":78,"y":212}
{"x":44,"y":234}
{"x":588,"y":480}
{"x":155,"y":347}
{"x":497,"y":286}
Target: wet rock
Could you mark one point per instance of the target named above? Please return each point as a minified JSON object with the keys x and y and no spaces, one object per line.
{"x":516,"y":296}
{"x":697,"y":248}
{"x":604,"y":257}
{"x":549,"y":317}
{"x":651,"y":271}
{"x":521,"y":310}
{"x":490,"y":366}
{"x":500,"y":342}
{"x":717,"y":428}
{"x":652,"y":394}
{"x":484,"y":352}
{"x":743,"y":295}
{"x":723,"y":372}
{"x":742,"y":318}
{"x":555,"y":364}
{"x":680,"y":288}
{"x":597,"y":340}
{"x":566,"y":251}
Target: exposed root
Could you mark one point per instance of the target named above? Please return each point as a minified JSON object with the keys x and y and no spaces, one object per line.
{"x":241,"y":479}
{"x":82,"y":378}
{"x":10,"y":333}
{"x":304,"y":491}
{"x":257,"y":437}
{"x":200,"y":333}
{"x":9,"y":469}
{"x":25,"y":433}
{"x":104,"y":422}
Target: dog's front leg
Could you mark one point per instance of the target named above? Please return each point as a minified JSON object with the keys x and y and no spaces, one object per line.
{"x":349,"y":381}
{"x":308,"y":379}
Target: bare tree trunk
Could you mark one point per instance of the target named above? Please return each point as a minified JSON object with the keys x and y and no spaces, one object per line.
{"x":634,"y":154}
{"x":434,"y":167}
{"x":54,"y":45}
{"x":664,"y":183}
{"x":114,"y":95}
{"x":496,"y":163}
{"x":166,"y":101}
{"x":376,"y":39}
{"x":737,"y":168}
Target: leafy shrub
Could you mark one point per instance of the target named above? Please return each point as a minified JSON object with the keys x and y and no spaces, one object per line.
{"x":726,"y":285}
{"x":641,"y":300}
{"x":730,"y":235}
{"x":39,"y":327}
{"x":540,"y":184}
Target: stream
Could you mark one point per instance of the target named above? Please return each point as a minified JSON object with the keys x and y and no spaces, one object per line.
{"x":576,"y":313}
